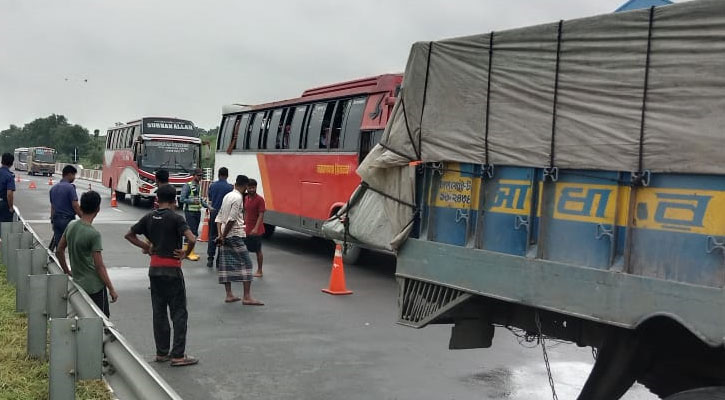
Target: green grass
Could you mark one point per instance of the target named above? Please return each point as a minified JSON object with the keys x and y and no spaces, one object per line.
{"x":22,"y":377}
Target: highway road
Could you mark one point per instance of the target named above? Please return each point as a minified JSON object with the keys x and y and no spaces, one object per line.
{"x":304,"y":344}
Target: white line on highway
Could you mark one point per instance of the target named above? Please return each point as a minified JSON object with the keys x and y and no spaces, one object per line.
{"x":116,"y":209}
{"x":95,"y":222}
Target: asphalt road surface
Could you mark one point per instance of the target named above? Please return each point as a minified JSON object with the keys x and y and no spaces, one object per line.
{"x":304,"y":344}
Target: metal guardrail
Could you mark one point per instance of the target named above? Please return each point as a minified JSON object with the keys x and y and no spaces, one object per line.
{"x":35,"y":269}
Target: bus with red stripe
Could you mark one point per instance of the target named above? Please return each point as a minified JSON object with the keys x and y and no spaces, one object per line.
{"x":304,"y":151}
{"x":137,"y":149}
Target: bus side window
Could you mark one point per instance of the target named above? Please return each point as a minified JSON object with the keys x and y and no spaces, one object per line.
{"x":220,"y":133}
{"x":270,"y":135}
{"x":353,"y":122}
{"x":108,"y":140}
{"x":336,"y":129}
{"x":129,"y":137}
{"x":226,"y":133}
{"x":275,"y":127}
{"x":256,"y":128}
{"x":283,"y":136}
{"x":241,"y":131}
{"x":298,"y":121}
{"x":316,"y":123}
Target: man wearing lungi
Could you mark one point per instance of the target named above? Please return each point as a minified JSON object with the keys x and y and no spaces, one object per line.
{"x":234,"y":264}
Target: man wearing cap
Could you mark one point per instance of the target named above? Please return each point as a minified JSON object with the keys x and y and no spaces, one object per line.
{"x":192,"y":203}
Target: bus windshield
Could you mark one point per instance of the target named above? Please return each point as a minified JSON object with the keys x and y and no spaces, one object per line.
{"x":44,"y":155}
{"x":173,"y":156}
{"x":23,"y":156}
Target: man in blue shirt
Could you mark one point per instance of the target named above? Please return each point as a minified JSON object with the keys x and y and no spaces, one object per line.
{"x":63,"y":204}
{"x":217,"y":191}
{"x":7,"y":188}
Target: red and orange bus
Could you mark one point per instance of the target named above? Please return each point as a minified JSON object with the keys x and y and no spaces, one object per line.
{"x":135,"y":150}
{"x":304,"y":151}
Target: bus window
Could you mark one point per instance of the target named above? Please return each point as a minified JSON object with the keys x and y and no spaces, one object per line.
{"x":225,"y":135}
{"x":336,"y":129}
{"x":241,"y":131}
{"x":129,"y":137}
{"x":298,"y":120}
{"x":277,"y":120}
{"x":319,"y":121}
{"x":270,"y":134}
{"x":253,"y":133}
{"x":283,"y":135}
{"x":351,"y":132}
{"x":108,"y":139}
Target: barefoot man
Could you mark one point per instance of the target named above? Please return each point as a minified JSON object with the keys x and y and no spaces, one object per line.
{"x":234,"y":264}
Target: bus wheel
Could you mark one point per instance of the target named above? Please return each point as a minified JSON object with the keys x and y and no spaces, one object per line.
{"x":351,"y":253}
{"x":710,"y":393}
{"x":120,"y":195}
{"x":268,"y":231}
{"x":135,"y":200}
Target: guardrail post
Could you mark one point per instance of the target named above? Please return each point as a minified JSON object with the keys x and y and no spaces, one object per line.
{"x":39,"y":265}
{"x":11,"y":262}
{"x":68,"y":363}
{"x":24,"y":257}
{"x":61,"y":373}
{"x":57,"y":304}
{"x":37,"y":316}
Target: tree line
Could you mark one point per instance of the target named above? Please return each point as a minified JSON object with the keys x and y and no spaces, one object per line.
{"x":55,"y":131}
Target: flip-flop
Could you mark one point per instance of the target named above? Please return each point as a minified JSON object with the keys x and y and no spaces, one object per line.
{"x":234,"y":300}
{"x":253,"y":303}
{"x":184,"y":362}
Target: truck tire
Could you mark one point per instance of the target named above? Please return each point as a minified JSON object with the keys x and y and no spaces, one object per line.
{"x":268,"y":231}
{"x":709,"y":393}
{"x":120,"y":195}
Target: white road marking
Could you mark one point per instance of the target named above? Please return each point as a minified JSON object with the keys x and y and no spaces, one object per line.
{"x":116,"y":209}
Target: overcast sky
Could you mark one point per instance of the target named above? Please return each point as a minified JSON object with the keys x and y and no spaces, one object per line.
{"x":187,"y":58}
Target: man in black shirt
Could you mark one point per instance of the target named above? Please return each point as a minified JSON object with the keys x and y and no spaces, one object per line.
{"x":165,"y":229}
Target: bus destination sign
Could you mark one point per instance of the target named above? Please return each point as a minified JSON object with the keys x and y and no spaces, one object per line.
{"x":168,"y":127}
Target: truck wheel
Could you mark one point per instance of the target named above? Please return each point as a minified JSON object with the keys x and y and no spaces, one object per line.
{"x":268,"y":231}
{"x":709,"y":393}
{"x":351,"y":253}
{"x":135,"y":200}
{"x":120,"y":195}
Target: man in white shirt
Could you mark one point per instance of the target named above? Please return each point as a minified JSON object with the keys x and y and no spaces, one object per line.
{"x":234,"y":264}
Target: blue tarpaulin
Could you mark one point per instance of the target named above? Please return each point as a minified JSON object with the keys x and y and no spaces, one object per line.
{"x":637,"y":4}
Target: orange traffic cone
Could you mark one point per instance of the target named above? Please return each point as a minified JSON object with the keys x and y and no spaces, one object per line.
{"x":337,"y":276}
{"x":32,"y":185}
{"x":50,"y":181}
{"x":204,"y":237}
{"x":114,"y":203}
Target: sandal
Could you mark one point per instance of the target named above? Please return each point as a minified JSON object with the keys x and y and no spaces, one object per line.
{"x":183,"y":362}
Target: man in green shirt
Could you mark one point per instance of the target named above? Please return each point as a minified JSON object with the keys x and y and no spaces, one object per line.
{"x":84,"y":245}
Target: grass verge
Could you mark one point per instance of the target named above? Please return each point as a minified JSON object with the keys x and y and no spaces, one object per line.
{"x":22,"y":377}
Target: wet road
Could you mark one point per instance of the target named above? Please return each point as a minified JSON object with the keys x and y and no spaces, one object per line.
{"x":304,"y":344}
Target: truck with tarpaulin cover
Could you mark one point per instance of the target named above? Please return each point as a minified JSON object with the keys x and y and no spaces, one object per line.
{"x":566,"y":180}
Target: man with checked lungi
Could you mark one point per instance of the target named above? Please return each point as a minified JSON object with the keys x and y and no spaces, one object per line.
{"x":233,"y":263}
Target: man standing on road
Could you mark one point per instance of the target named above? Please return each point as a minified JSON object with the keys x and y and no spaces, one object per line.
{"x":234,"y":264}
{"x":84,"y":245}
{"x":7,"y":188}
{"x":217,"y":191}
{"x":165,"y":230}
{"x":162,"y":178}
{"x":254,"y":209}
{"x":63,"y":204}
{"x":192,"y":201}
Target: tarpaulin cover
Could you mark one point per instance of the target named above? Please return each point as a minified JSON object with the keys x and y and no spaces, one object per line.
{"x":613,"y":105}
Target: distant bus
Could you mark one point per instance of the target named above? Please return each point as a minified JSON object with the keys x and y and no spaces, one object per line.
{"x":137,"y":149}
{"x":21,"y":159}
{"x":41,"y":161}
{"x":304,"y":152}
